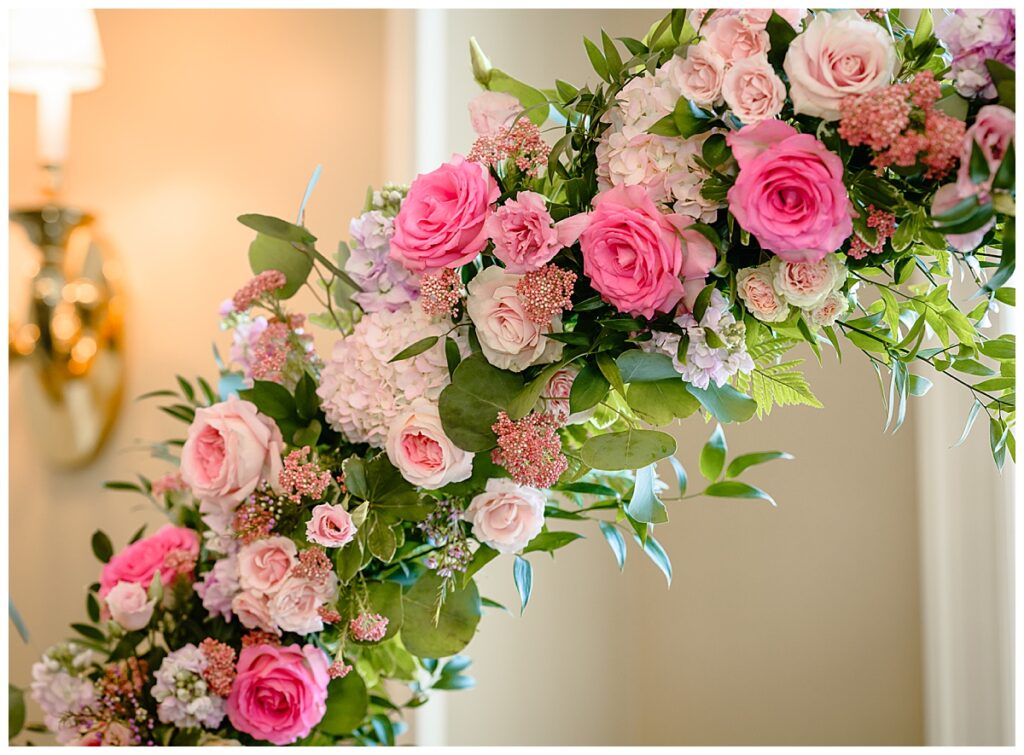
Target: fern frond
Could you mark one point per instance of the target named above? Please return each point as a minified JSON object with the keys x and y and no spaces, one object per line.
{"x":781,"y":385}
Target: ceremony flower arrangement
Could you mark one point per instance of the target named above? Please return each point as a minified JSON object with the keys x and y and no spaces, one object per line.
{"x":501,"y":339}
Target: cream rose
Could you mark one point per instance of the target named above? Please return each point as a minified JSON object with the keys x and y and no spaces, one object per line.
{"x":507,"y":515}
{"x":129,"y":607}
{"x":837,"y":55}
{"x":754,"y":287}
{"x":752,"y":89}
{"x":263,"y":565}
{"x":806,"y":284}
{"x":831,"y":309}
{"x":509,"y":339}
{"x":418,"y":446}
{"x":698,"y":74}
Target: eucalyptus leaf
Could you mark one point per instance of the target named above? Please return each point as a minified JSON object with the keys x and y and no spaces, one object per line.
{"x":455,"y":623}
{"x":347,"y":702}
{"x":628,"y":449}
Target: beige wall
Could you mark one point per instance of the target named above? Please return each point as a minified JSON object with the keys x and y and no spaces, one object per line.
{"x":793,"y":625}
{"x":204,"y":115}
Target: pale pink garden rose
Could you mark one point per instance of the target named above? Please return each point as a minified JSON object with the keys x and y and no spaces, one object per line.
{"x":637,"y":257}
{"x":525,"y":236}
{"x":755,"y":289}
{"x":230,"y":448}
{"x":171,"y":551}
{"x":418,"y":447}
{"x":698,"y":74}
{"x":264,"y":564}
{"x":789,"y":192}
{"x":838,"y":54}
{"x":507,"y":515}
{"x":993,"y":131}
{"x":733,"y":39}
{"x":509,"y":339}
{"x":330,"y":526}
{"x":129,"y":605}
{"x":489,"y":111}
{"x":253,"y":611}
{"x":554,"y":398}
{"x":757,"y":18}
{"x":752,"y":89}
{"x":441,"y":223}
{"x":945,"y":199}
{"x":831,"y":309}
{"x":295,"y":607}
{"x":279,"y":693}
{"x":807,"y":284}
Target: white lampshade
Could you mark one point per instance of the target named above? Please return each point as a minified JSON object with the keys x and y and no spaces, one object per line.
{"x":54,"y":48}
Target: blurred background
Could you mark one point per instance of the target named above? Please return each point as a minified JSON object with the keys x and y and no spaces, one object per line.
{"x":873,"y":606}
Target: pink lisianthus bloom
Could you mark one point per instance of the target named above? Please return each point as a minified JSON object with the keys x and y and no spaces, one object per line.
{"x":230,"y":447}
{"x":441,"y":223}
{"x":525,"y":237}
{"x":789,"y":193}
{"x":280,"y":692}
{"x":637,"y":257}
{"x":168,"y":551}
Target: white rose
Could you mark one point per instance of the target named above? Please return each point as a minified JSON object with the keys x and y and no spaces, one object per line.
{"x":754,"y":287}
{"x":425,"y":456}
{"x":698,"y":75}
{"x":806,"y":284}
{"x":509,"y":339}
{"x":837,"y":55}
{"x":507,"y":515}
{"x":129,"y":607}
{"x":752,"y":90}
{"x":830,"y":310}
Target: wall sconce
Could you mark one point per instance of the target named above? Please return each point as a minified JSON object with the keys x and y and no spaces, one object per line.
{"x":67,"y":317}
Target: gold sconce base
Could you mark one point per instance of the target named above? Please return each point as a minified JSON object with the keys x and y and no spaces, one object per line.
{"x":66,"y":332}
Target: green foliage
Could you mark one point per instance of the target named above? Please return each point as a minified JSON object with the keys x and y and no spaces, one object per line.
{"x":629,"y":449}
{"x":15,"y":711}
{"x":440,"y":619}
{"x":101,"y":546}
{"x":347,"y":702}
{"x":470,"y":404}
{"x":522,"y":573}
{"x":773,"y":382}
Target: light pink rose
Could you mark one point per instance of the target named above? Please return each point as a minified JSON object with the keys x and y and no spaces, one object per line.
{"x":636,"y":256}
{"x":945,"y":199}
{"x":806,"y":284}
{"x":489,"y":111}
{"x":230,"y":447}
{"x":264,"y":564}
{"x":508,"y":338}
{"x":280,"y":692}
{"x":789,"y":192}
{"x":993,"y":131}
{"x":555,"y":398}
{"x":754,"y":287}
{"x":830,"y":310}
{"x":170,"y":551}
{"x":330,"y":526}
{"x":425,"y":456}
{"x":837,"y":55}
{"x":757,"y":18}
{"x":253,"y":611}
{"x":129,"y":606}
{"x":752,"y":89}
{"x":295,"y":607}
{"x":733,"y":39}
{"x":698,"y":74}
{"x":524,"y":235}
{"x":441,"y":223}
{"x":507,"y":515}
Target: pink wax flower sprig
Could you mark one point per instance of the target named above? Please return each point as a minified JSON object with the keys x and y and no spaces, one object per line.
{"x":546,"y":293}
{"x":441,"y":293}
{"x":369,"y":627}
{"x":884,"y":224}
{"x":529,"y":449}
{"x":523,"y":143}
{"x":301,"y":477}
{"x":252,"y":292}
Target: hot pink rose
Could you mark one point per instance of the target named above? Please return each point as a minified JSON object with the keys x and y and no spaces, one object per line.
{"x":170,"y":551}
{"x":789,"y":193}
{"x":441,"y":223}
{"x":425,"y":456}
{"x":635,"y":256}
{"x":752,"y":89}
{"x":733,"y":39}
{"x":264,"y":564}
{"x":525,"y":237}
{"x":280,"y":692}
{"x":993,"y":131}
{"x":229,"y":449}
{"x":330,"y":526}
{"x":507,"y":515}
{"x":129,"y":605}
{"x":837,"y":55}
{"x":489,"y":111}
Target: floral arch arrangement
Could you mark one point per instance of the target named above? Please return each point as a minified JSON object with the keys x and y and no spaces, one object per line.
{"x":510,"y":331}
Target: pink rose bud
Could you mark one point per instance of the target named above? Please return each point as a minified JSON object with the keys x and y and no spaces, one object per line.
{"x":129,"y":607}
